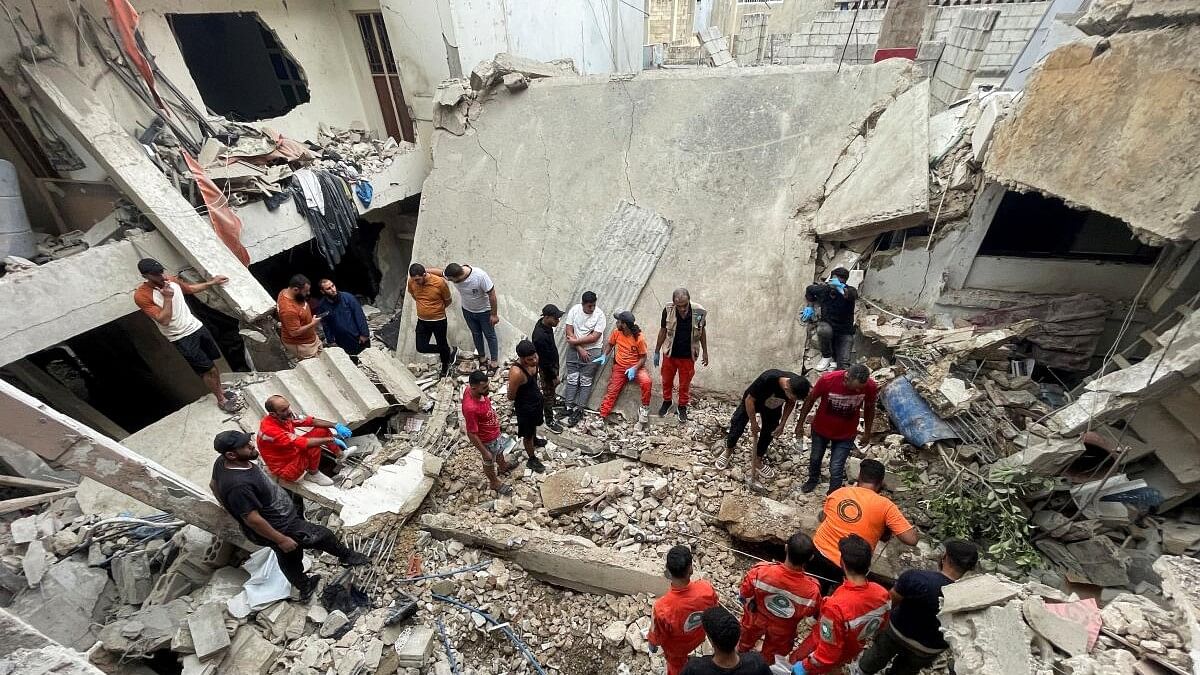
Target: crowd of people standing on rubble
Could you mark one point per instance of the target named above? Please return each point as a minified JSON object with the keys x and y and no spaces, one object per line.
{"x":824,"y":575}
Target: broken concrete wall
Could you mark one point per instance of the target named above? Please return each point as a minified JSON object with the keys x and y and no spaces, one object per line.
{"x":728,"y":157}
{"x":1130,"y":155}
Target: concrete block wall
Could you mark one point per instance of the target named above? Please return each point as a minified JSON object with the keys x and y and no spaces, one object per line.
{"x":1012,"y":30}
{"x":965,"y":46}
{"x":751,"y":41}
{"x":823,"y":41}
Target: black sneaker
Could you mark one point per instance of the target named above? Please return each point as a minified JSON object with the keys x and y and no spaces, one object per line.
{"x":535,"y":465}
{"x":539,"y":442}
{"x":575,"y":417}
{"x":808,"y":486}
{"x":662,"y":409}
{"x":306,"y":592}
{"x":682,"y":412}
{"x":554,"y":426}
{"x":353,"y":559}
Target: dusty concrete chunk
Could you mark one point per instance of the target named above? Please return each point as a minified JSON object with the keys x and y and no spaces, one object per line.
{"x":759,"y":519}
{"x":563,"y":560}
{"x":995,"y":640}
{"x":563,"y":491}
{"x":1069,"y":636}
{"x":977,"y":592}
{"x":249,"y":654}
{"x":488,"y":73}
{"x":666,"y":458}
{"x":67,"y":605}
{"x":394,"y":376}
{"x":132,"y":575}
{"x":333,"y":623}
{"x":24,"y":530}
{"x":34,"y":562}
{"x":156,"y":628}
{"x":415,"y":651}
{"x":207,"y":627}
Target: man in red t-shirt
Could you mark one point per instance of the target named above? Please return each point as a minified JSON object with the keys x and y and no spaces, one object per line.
{"x":845,"y":395}
{"x":676,"y":619}
{"x":291,"y":455}
{"x":483,"y":428}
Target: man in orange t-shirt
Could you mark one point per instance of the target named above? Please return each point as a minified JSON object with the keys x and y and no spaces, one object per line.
{"x":676,"y":625}
{"x":860,"y":510}
{"x":627,"y":350}
{"x":431,"y":296}
{"x":298,"y":326}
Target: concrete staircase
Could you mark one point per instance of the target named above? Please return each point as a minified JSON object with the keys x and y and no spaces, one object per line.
{"x":329,"y":387}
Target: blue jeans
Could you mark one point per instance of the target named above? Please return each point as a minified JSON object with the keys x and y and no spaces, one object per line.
{"x":481,"y":328}
{"x":837,"y":460}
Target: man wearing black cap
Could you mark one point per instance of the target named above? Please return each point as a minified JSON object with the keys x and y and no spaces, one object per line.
{"x":267,"y":514}
{"x":528,"y":403}
{"x":160,"y":297}
{"x":835,"y":328}
{"x":547,"y":351}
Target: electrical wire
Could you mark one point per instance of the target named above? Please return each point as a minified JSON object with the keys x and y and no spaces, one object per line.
{"x":503,"y":628}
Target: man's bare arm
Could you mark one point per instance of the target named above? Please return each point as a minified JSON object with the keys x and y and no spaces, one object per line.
{"x":804,"y":410}
{"x":514,"y":383}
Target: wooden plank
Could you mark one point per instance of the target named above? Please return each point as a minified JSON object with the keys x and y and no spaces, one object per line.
{"x":32,"y":483}
{"x":10,"y":505}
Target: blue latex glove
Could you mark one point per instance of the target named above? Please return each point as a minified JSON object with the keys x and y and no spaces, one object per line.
{"x":342,"y":430}
{"x":837,"y":283}
{"x":340,"y":443}
{"x":807,"y":314}
{"x":657,"y":359}
{"x":602,"y":359}
{"x":798,"y":669}
{"x":631,"y":372}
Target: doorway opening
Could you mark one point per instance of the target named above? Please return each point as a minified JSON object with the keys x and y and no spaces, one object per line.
{"x":385,"y":76}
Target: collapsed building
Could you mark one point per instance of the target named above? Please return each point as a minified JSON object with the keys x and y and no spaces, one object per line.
{"x":1015,"y":197}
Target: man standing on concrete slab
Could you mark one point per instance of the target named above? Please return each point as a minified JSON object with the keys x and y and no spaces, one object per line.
{"x":846,"y":396}
{"x":291,"y":455}
{"x":684,"y":325}
{"x":431,"y":296}
{"x":160,"y":297}
{"x":835,"y":328}
{"x":724,"y":634}
{"x":913,"y":639}
{"x":585,"y":331}
{"x":849,"y":618}
{"x":627,"y":348}
{"x":344,"y":321}
{"x":676,"y":618}
{"x":527,"y":401}
{"x":547,"y":350}
{"x":776,"y":597}
{"x":483,"y":429}
{"x":861,"y":511}
{"x":298,"y":326}
{"x":266,"y":513}
{"x":771,"y":396}
{"x":480,"y":308}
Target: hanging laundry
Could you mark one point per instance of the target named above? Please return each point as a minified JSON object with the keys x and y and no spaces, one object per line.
{"x":333,"y":227}
{"x":312,"y":189}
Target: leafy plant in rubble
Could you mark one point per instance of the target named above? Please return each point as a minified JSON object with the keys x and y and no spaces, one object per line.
{"x":989,"y":511}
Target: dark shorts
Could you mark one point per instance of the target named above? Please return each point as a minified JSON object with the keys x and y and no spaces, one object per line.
{"x":199,"y":349}
{"x":528,"y":421}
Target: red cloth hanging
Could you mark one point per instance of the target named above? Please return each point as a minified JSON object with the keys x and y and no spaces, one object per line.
{"x":125,"y":17}
{"x":224,"y":219}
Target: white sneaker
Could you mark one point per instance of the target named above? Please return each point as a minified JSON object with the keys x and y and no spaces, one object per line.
{"x":643,"y":414}
{"x":824,"y":363}
{"x":318,"y":478}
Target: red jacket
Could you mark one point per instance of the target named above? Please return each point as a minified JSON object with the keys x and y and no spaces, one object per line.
{"x":278,"y":442}
{"x":676,"y":627}
{"x":850,"y":617}
{"x":778,"y":597}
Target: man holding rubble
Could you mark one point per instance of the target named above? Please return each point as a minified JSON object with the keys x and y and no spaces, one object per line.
{"x":846,"y":396}
{"x":849,"y":618}
{"x":160,"y":297}
{"x":431,"y":296}
{"x":776,"y":597}
{"x":676,"y":618}
{"x":771,"y":396}
{"x":291,"y":455}
{"x":861,"y":511}
{"x":267,"y":514}
{"x":913,"y":639}
{"x":524,"y":392}
{"x":585,"y":324}
{"x":547,"y":350}
{"x":298,"y":326}
{"x":344,"y":322}
{"x":627,"y":348}
{"x":684,"y":326}
{"x":480,"y":308}
{"x":835,"y":328}
{"x":483,"y":429}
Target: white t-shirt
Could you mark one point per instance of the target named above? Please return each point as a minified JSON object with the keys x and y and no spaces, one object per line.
{"x":586,"y":323}
{"x":183,"y":322}
{"x":474,"y":291}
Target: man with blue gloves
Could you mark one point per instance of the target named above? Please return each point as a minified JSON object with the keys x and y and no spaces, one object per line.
{"x":835,"y":326}
{"x":291,"y":455}
{"x":627,"y":350}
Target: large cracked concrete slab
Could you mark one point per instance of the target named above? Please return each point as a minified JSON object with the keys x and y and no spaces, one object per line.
{"x":729,"y":156}
{"x":1111,"y":124}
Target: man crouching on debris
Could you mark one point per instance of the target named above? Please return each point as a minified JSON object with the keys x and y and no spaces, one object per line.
{"x":771,"y":396}
{"x":267,"y":514}
{"x":835,"y":329}
{"x":676,"y":625}
{"x":483,"y":428}
{"x":292,"y":456}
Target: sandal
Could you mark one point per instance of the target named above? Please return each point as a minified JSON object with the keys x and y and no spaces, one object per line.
{"x":765,"y":470}
{"x":722,"y":461}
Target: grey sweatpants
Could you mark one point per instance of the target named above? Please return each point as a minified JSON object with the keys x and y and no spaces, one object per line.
{"x":579,"y":376}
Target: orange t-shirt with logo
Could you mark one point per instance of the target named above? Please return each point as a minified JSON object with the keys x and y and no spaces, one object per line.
{"x":629,"y":350}
{"x":857,"y":510}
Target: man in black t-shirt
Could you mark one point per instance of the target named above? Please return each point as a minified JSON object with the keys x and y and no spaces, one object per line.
{"x":913,"y":639}
{"x":772,"y":397}
{"x":266,"y":513}
{"x":547,"y":351}
{"x":723,"y":634}
{"x":835,"y":328}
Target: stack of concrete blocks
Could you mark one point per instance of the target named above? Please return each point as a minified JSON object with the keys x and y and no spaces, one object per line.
{"x":928,"y":54}
{"x":846,"y":36}
{"x":752,"y":39}
{"x":960,"y":59}
{"x":1013,"y":29}
{"x":715,"y":48}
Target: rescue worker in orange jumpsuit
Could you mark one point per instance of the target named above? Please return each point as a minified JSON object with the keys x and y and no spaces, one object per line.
{"x":677,"y":615}
{"x":292,"y":455}
{"x":850,"y":617}
{"x":775,"y":597}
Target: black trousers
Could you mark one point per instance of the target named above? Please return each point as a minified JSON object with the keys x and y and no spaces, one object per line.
{"x":830,"y":575}
{"x":437,"y":331}
{"x":887,"y":648}
{"x":546,"y":377}
{"x":307,"y":536}
{"x":737,"y":427}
